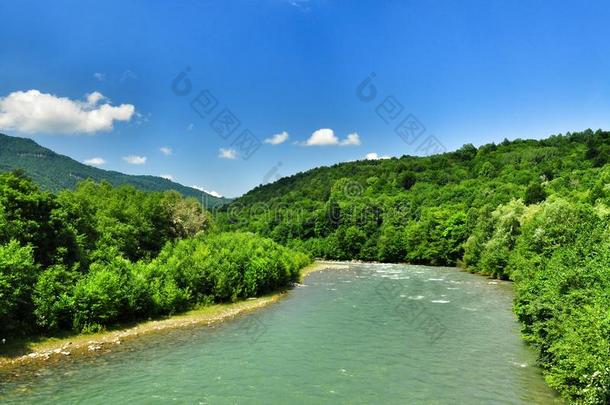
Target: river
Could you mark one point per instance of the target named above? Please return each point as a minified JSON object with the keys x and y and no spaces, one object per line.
{"x":365,"y":333}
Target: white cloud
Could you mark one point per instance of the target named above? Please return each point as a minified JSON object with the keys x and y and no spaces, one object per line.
{"x":322,"y":137}
{"x":166,"y":150}
{"x":277,"y":138}
{"x":302,"y":5}
{"x":99,"y":76}
{"x":227,"y":153}
{"x":327,"y":137}
{"x":94,"y":98}
{"x":127,"y":75}
{"x":96,"y":161}
{"x":167,"y":177}
{"x":142,"y":119}
{"x":375,"y":156}
{"x":32,"y":111}
{"x":135,"y":160}
{"x":352,"y":139}
{"x":211,"y":192}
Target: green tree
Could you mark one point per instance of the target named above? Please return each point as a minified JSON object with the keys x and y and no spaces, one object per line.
{"x":17,"y":275}
{"x":534,"y":194}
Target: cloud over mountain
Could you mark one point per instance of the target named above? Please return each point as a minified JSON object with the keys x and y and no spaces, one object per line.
{"x":96,"y":161}
{"x":327,"y":137}
{"x":34,"y":112}
{"x":135,"y":160}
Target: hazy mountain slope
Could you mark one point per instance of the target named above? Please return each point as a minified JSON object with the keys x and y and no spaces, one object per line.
{"x":54,"y":172}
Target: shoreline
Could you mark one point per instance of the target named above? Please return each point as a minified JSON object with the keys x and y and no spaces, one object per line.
{"x":45,"y":350}
{"x":319,"y":265}
{"x":53,"y":349}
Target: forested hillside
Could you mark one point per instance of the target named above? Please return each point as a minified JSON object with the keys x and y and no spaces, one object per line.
{"x":536,"y":212}
{"x":55,"y":172}
{"x":87,"y":259}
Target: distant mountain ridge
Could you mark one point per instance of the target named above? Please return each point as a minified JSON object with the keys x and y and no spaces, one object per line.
{"x":55,"y":172}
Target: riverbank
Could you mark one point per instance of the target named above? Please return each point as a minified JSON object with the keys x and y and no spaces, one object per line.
{"x":51,"y":349}
{"x":319,"y":265}
{"x":358,"y":337}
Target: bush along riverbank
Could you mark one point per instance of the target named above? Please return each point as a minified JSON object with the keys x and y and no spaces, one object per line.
{"x":84,"y":260}
{"x":203,"y":270}
{"x":558,"y":253}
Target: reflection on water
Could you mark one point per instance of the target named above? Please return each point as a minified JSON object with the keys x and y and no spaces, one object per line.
{"x":370,"y":333}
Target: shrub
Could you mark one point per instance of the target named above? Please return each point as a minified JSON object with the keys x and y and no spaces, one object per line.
{"x":496,"y":251}
{"x":223,"y":267}
{"x":17,"y":276}
{"x":53,"y":298}
{"x":107,"y":294}
{"x":534,"y":194}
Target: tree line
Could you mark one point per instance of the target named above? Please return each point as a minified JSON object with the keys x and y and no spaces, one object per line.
{"x":536,"y":212}
{"x":87,"y":259}
{"x":533,"y":211}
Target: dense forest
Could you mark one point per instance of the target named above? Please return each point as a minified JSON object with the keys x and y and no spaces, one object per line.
{"x":533,"y":211}
{"x":86,"y":259}
{"x":55,"y":172}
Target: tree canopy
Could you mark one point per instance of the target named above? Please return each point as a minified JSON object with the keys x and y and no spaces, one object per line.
{"x":533,"y":211}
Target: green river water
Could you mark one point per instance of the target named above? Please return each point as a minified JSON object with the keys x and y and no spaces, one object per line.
{"x":368,"y":333}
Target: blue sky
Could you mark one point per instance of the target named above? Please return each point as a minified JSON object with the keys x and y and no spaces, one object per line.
{"x":469,"y":71}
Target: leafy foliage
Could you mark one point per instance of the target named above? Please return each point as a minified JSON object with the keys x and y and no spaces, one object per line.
{"x":535,"y":212}
{"x":17,"y":275}
{"x":532,"y":211}
{"x":86,"y":259}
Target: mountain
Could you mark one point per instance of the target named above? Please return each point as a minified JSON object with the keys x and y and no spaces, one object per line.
{"x":492,"y":173}
{"x":533,"y":211}
{"x":354,"y":209}
{"x":54,"y":172}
